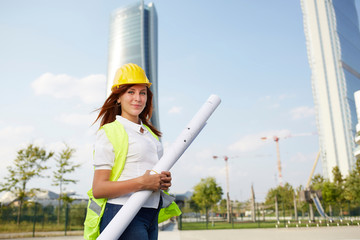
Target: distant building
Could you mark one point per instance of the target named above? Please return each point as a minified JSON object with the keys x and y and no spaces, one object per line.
{"x":333,"y":43}
{"x":182,"y":198}
{"x":133,"y":39}
{"x":42,"y":196}
{"x":357,"y":135}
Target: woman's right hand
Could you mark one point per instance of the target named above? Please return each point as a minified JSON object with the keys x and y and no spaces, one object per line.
{"x":151,"y":181}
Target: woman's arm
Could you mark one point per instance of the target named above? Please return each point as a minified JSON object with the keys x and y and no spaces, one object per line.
{"x":104,"y":188}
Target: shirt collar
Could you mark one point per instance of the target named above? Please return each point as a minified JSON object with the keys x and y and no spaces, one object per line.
{"x":129,"y":124}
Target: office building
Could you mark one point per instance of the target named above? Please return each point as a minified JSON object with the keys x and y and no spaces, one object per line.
{"x":357,"y":135}
{"x":133,"y":39}
{"x":333,"y":43}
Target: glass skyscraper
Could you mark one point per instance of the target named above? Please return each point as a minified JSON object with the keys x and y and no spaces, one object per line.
{"x":133,"y":39}
{"x":333,"y":42}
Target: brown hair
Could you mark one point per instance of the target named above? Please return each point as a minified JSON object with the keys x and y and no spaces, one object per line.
{"x":110,"y":108}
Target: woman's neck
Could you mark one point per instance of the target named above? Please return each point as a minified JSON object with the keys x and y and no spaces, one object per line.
{"x":134,"y":119}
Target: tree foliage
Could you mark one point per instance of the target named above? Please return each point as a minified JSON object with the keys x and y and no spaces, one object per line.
{"x":194,"y":206}
{"x":332,"y":192}
{"x":317,"y":182}
{"x":352,"y":184}
{"x":284,"y":194}
{"x":28,"y":164}
{"x":338,"y":178}
{"x":223,"y":206}
{"x":207,"y":193}
{"x":340,"y":190}
{"x":64,"y":166}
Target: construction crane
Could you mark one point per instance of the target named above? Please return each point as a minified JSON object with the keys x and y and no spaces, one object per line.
{"x":228,"y":205}
{"x":276,"y":140}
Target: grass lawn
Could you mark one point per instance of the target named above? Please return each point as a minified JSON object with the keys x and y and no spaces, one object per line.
{"x":224,"y":225}
{"x":267,"y":224}
{"x":10,"y":227}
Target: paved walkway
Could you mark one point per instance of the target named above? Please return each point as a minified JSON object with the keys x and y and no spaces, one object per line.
{"x":171,"y":232}
{"x":322,"y":233}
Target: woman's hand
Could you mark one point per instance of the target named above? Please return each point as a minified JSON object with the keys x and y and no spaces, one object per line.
{"x":154,"y":182}
{"x":165,"y":180}
{"x":150,"y":181}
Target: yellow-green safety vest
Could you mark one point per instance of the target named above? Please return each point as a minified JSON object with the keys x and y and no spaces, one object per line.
{"x":118,"y":137}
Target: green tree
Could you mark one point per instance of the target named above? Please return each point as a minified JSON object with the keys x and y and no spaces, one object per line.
{"x":340,"y":186}
{"x":352,"y":184}
{"x":206,"y":194}
{"x":284,"y":196}
{"x":333,"y":192}
{"x":28,"y":164}
{"x":337,"y":176}
{"x":63,"y":166}
{"x":317,"y":182}
{"x":194,"y":206}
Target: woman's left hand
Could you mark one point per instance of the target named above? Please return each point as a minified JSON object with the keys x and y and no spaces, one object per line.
{"x":165,"y":180}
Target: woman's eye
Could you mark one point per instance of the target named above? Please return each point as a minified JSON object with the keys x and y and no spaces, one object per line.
{"x":130,"y":92}
{"x":143,"y":93}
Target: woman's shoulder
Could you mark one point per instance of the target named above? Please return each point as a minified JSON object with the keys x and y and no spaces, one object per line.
{"x":112,"y":124}
{"x":114,"y":128}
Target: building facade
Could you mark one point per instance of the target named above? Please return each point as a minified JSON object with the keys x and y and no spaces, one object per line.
{"x":357,"y":135}
{"x":333,"y":43}
{"x":133,"y":39}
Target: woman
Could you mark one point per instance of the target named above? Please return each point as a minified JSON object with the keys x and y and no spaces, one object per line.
{"x":126,"y":149}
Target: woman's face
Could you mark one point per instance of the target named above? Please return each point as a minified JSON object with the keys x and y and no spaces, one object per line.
{"x":133,"y":102}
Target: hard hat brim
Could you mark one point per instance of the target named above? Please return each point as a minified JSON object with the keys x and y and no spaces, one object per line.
{"x":131,"y":83}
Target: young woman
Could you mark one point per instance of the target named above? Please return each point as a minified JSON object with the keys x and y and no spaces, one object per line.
{"x":126,"y":149}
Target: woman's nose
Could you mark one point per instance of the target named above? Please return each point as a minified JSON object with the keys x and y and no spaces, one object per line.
{"x":137,"y":96}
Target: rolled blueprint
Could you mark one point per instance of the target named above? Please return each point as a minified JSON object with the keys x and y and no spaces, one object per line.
{"x":123,"y":218}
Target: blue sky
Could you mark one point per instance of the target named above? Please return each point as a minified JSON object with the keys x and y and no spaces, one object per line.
{"x":252,"y":54}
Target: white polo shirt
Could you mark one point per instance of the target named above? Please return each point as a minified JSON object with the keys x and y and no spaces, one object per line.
{"x":143,"y":153}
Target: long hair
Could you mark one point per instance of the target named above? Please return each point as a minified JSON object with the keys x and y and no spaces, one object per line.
{"x":110,"y":108}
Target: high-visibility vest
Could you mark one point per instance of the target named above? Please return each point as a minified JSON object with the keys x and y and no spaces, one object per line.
{"x":118,"y":137}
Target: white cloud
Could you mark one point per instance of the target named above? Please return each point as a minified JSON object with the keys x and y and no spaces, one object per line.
{"x":90,"y":89}
{"x":76,"y":119}
{"x":247,"y":144}
{"x":253,"y":142}
{"x":13,"y":138}
{"x":13,"y":133}
{"x":302,"y":112}
{"x":175,"y":110}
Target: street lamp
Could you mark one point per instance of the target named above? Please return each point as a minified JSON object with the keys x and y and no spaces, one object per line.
{"x":227,"y":188}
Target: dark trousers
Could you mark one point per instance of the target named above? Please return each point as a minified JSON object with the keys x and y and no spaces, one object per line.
{"x":144,"y":225}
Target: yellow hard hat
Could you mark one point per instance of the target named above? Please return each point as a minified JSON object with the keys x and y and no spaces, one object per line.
{"x":130,"y":74}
